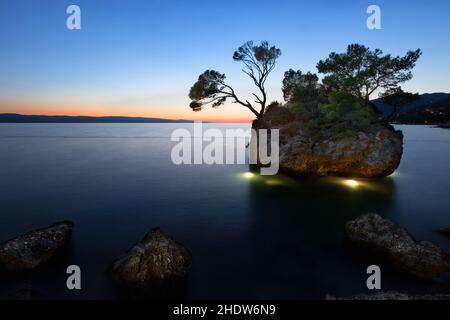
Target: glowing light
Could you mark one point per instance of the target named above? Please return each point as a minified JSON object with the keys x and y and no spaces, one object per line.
{"x":273,"y":182}
{"x":351,"y":183}
{"x":248,"y":175}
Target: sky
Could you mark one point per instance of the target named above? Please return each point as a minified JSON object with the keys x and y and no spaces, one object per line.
{"x":140,"y":58}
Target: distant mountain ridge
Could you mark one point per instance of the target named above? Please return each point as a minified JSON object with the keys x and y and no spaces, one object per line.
{"x":428,"y":108}
{"x":20,"y":118}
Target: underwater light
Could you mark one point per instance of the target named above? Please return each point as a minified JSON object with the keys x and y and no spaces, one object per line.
{"x":273,"y":182}
{"x":351,"y":183}
{"x":248,"y":175}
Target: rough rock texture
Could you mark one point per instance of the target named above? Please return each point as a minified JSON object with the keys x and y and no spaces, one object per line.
{"x":156,"y":258}
{"x":35,"y":248}
{"x":374,"y":152}
{"x":393,"y":295}
{"x":419,"y":258}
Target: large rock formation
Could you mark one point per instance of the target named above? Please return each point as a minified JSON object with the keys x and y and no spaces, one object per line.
{"x":158,"y":263}
{"x":393,"y":295}
{"x":419,"y":258}
{"x":35,"y":248}
{"x":373,"y":152}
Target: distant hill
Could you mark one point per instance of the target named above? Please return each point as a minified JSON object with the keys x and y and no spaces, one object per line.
{"x":19,"y":118}
{"x":428,"y":108}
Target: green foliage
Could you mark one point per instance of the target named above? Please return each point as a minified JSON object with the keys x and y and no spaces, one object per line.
{"x":210,"y":85}
{"x":263,"y":55}
{"x":336,"y":112}
{"x":258,"y":60}
{"x":339,"y":104}
{"x":361,"y":72}
{"x":342,"y":114}
{"x":278,"y":114}
{"x":303,"y":93}
{"x":398,"y":97}
{"x":296,"y":80}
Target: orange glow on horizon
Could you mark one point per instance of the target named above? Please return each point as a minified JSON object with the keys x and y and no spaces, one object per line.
{"x":91,"y":111}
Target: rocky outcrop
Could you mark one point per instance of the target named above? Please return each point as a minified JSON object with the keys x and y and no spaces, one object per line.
{"x":419,"y":258}
{"x":372,"y":152}
{"x":393,"y":295}
{"x":157,"y":258}
{"x":34,"y":249}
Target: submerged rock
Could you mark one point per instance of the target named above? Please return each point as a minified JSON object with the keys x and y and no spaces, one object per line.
{"x":393,"y":295}
{"x":155,"y":261}
{"x":371,"y":152}
{"x":419,"y":258}
{"x":35,"y":248}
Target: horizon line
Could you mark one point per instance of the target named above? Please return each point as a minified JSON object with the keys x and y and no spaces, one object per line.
{"x":130,"y":117}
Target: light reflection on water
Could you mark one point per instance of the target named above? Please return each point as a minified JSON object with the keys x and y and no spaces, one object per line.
{"x":381,"y":185}
{"x":250,"y":236}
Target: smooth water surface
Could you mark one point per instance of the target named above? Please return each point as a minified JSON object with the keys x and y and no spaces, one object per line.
{"x":250,"y":236}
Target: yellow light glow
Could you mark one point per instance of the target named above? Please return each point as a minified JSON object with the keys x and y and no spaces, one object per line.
{"x":351,"y":183}
{"x":248,"y":175}
{"x":273,"y":182}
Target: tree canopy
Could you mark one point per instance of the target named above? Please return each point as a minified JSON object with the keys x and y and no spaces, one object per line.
{"x":339,"y":100}
{"x":259,"y":61}
{"x":295,"y":80}
{"x":361,"y":71}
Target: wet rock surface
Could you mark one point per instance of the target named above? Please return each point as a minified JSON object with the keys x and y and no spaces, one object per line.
{"x":35,"y":248}
{"x":369,"y":153}
{"x":157,"y":265}
{"x":419,"y":258}
{"x":374,"y":151}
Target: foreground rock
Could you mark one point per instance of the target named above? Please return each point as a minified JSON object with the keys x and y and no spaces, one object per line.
{"x":419,"y":258}
{"x":372,"y":152}
{"x":35,"y":248}
{"x":157,"y":263}
{"x":393,"y":295}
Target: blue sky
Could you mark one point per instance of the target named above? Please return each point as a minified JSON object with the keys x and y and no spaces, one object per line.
{"x":141,"y":57}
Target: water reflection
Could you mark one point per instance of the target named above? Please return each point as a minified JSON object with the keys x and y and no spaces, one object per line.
{"x":316,"y":202}
{"x":250,"y":236}
{"x":296,"y":226}
{"x":303,"y":222}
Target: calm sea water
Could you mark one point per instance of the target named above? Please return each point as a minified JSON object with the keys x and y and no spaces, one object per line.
{"x":271,"y":237}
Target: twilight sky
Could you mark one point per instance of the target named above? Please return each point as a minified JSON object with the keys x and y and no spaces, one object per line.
{"x":140,"y":57}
